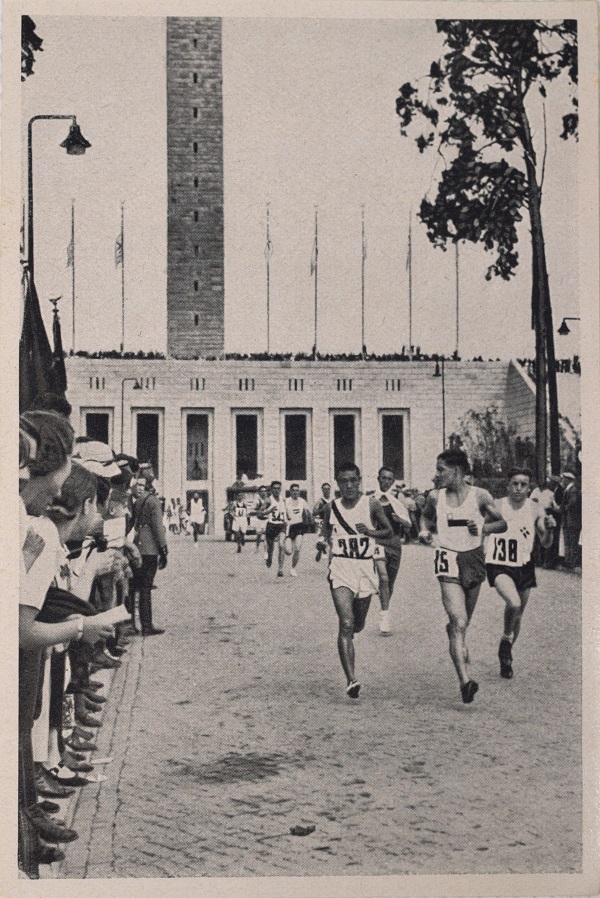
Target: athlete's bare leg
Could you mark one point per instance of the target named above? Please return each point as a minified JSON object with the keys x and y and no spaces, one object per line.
{"x":506,"y":588}
{"x":524,"y":596}
{"x":352,"y":614}
{"x":384,"y":583}
{"x":454,"y":600}
{"x":282,"y":552}
{"x":296,"y":550}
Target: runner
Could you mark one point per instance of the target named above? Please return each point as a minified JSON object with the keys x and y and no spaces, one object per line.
{"x":318,"y":512}
{"x":298,"y":516}
{"x":462,"y":515}
{"x":239,"y":510}
{"x":275,"y":530}
{"x":388,"y":552}
{"x":260,"y":514}
{"x":351,"y":525}
{"x":509,"y":562}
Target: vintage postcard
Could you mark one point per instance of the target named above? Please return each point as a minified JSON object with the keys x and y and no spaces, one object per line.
{"x":300,"y":307}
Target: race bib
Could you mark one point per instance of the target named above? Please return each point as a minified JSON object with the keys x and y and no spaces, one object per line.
{"x":353,"y":547}
{"x":505,"y":551}
{"x":445,"y":563}
{"x":240,"y":512}
{"x":378,"y":553}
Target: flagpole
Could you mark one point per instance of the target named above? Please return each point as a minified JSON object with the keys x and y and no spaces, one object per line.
{"x":363,"y":346}
{"x":73,"y":274}
{"x":410,"y":340}
{"x":457,"y":304}
{"x":122,"y":277}
{"x":268,"y":257}
{"x":316,"y":274}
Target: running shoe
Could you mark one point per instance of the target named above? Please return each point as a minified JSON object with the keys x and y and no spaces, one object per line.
{"x":505,"y":656}
{"x":353,"y":689}
{"x":280,"y":573}
{"x":468,"y":691}
{"x":293,"y":572}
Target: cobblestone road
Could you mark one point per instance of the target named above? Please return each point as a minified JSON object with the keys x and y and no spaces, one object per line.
{"x":234,"y":726}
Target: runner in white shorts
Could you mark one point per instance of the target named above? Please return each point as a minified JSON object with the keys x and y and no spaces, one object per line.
{"x":351,"y":525}
{"x":260,"y":513}
{"x":239,"y":525}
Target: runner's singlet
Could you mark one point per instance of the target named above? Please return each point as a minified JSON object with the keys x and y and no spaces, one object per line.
{"x":295,"y":509}
{"x":513,"y":548}
{"x":346,"y":542}
{"x":452,"y":527}
{"x":277,"y":511}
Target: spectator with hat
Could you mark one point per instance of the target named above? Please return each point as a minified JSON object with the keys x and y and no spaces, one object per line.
{"x":571,"y":519}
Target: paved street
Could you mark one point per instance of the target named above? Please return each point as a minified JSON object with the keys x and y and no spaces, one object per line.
{"x":234,"y":726}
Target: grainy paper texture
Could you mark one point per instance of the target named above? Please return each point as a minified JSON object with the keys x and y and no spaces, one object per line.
{"x":310,"y":146}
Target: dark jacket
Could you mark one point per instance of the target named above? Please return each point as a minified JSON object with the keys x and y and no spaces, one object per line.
{"x":571,"y":508}
{"x":150,"y":533}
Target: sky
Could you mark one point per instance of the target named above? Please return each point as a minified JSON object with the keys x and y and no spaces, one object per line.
{"x":309,"y":120}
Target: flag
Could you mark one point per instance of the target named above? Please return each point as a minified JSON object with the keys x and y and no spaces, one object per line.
{"x":409,"y":243}
{"x":364,"y":248}
{"x":59,"y":372}
{"x":268,"y":249}
{"x":22,"y":241}
{"x":314,"y":256}
{"x":70,"y":254}
{"x":119,"y":250}
{"x":36,"y":374}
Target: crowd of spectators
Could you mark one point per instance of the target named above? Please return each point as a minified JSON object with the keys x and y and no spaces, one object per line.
{"x":91,"y":541}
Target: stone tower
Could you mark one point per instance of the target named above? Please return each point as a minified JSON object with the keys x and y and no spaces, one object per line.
{"x":195,"y":267}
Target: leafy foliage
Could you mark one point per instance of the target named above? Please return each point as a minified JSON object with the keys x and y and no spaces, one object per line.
{"x":475,"y":114}
{"x":488,"y":441}
{"x":30,"y":45}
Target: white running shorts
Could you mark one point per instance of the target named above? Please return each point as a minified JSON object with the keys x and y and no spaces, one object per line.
{"x":358,"y":575}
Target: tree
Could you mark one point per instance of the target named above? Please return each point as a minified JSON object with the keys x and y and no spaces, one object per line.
{"x":489,"y":442}
{"x":30,"y":45}
{"x":476,"y":113}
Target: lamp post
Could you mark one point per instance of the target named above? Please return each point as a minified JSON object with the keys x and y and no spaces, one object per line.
{"x":564,"y":328}
{"x":440,"y":372}
{"x":75,"y":144}
{"x":137,"y":386}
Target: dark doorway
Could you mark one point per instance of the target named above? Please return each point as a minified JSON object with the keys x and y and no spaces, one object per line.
{"x":392,"y":440}
{"x":197,"y":447}
{"x":295,"y":447}
{"x":246,"y":445}
{"x":344,"y":440}
{"x":147,"y":439}
{"x":96,"y":426}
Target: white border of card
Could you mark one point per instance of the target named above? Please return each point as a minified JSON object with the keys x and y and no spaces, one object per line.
{"x":518,"y":885}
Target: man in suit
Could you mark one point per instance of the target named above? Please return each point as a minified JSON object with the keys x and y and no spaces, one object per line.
{"x":151,"y":540}
{"x":571,"y":518}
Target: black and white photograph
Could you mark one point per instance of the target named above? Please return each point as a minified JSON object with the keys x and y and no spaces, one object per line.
{"x":304,"y":299}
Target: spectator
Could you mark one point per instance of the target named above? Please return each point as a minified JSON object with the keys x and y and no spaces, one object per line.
{"x":571,"y":519}
{"x":151,"y":540}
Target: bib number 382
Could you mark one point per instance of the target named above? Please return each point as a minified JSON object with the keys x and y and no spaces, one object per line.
{"x":445,"y":564}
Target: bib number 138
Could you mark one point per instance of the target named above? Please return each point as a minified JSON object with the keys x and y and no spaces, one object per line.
{"x":505,"y":550}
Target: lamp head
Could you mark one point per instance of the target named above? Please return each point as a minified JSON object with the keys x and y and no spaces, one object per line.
{"x":75,"y":144}
{"x":564,"y":329}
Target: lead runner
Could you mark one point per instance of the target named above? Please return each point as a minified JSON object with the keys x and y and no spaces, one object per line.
{"x":462,"y":515}
{"x":351,"y":525}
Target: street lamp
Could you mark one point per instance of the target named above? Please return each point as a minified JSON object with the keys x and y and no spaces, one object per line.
{"x":75,"y":144}
{"x":440,"y":372}
{"x":564,"y":329}
{"x":136,"y":386}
